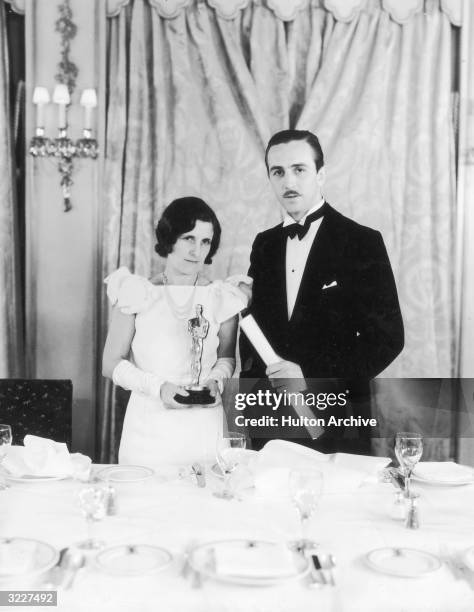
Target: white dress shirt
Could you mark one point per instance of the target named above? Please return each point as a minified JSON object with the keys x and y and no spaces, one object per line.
{"x":297,"y":252}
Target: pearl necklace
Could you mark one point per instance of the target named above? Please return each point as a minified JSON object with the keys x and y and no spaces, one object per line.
{"x":180,"y":311}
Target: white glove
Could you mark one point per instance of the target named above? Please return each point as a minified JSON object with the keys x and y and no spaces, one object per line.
{"x":223,"y":368}
{"x":132,"y":378}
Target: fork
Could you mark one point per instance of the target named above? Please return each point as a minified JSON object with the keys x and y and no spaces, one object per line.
{"x":332,"y":565}
{"x":196,"y":582}
{"x":3,"y":478}
{"x":464,"y":572}
{"x":187,"y":553}
{"x":456,"y":565}
{"x":196,"y":578}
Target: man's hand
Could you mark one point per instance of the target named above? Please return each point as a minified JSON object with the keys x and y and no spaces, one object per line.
{"x":167,"y":393}
{"x":286,"y":376}
{"x":284,"y":369}
{"x":242,"y":282}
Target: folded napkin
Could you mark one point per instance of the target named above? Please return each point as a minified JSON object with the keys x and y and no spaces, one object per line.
{"x":444,"y":471}
{"x":16,"y":557}
{"x":260,"y":561}
{"x":365,"y":464}
{"x":43,"y":457}
{"x":342,"y":472}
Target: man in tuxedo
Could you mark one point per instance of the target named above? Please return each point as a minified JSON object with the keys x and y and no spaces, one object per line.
{"x":324,"y":293}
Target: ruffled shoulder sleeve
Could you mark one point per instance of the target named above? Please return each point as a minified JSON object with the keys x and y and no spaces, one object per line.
{"x":229,"y":299}
{"x":129,"y":292}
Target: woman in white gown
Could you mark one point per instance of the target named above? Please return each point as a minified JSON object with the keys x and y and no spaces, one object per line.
{"x":148,"y":347}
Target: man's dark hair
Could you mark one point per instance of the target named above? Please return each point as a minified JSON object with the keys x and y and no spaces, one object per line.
{"x":289,"y":135}
{"x":180,"y":217}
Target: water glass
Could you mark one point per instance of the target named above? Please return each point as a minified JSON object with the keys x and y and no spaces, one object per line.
{"x":306,"y":487}
{"x":93,"y":504}
{"x":229,"y":455}
{"x":5,"y":443}
{"x":408,"y":449}
{"x":5,"y":440}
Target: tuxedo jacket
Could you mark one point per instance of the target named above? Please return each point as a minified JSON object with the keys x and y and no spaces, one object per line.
{"x":346,"y":322}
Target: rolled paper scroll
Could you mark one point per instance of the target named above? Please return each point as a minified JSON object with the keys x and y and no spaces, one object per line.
{"x":257,"y":338}
{"x":268,"y":355}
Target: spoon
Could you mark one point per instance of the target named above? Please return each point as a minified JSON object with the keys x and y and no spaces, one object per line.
{"x":72,"y":563}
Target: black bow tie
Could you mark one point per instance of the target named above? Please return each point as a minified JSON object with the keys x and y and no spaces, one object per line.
{"x":295,"y":229}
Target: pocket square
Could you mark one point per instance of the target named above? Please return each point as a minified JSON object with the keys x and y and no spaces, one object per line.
{"x":333,"y":284}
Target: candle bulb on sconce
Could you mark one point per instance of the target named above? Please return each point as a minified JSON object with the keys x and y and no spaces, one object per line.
{"x":87,"y":146}
{"x":40,"y":99}
{"x":88,"y":101}
{"x":40,"y":146}
{"x":62,"y":99}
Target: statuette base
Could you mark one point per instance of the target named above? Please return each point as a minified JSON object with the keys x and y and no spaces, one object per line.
{"x":198,"y":394}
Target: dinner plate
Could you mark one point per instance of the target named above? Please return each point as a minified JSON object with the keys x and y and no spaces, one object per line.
{"x":442,"y":483}
{"x":203,"y":559}
{"x":125,"y":473}
{"x":466,"y":476}
{"x":404,"y":562}
{"x":468,"y":557}
{"x":32,"y":478}
{"x":25,"y":558}
{"x":133,"y":560}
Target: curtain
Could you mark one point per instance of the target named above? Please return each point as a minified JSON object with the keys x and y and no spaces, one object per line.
{"x":194,"y":99}
{"x":465,"y":212}
{"x":11,"y":354}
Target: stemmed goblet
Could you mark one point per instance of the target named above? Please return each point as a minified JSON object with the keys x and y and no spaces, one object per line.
{"x":229,"y":455}
{"x":306,"y":487}
{"x":93,"y":504}
{"x":408,"y":449}
{"x":5,"y":443}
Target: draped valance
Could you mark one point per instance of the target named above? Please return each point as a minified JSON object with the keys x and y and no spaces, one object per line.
{"x":400,"y":11}
{"x":342,"y":10}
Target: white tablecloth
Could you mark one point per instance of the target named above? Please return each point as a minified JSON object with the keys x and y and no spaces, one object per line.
{"x":170,"y":512}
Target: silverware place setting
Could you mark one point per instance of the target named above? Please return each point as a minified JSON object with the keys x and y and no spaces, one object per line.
{"x":63,"y":574}
{"x":321,"y":570}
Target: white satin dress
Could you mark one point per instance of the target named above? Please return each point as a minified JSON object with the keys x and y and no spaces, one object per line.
{"x":153,"y":435}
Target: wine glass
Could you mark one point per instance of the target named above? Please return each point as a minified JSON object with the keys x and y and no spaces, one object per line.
{"x":408,"y":449}
{"x":93,"y":504}
{"x":229,"y":455}
{"x":5,"y":443}
{"x":306,"y":487}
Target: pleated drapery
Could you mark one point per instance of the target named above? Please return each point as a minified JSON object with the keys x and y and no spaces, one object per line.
{"x":11,"y":345}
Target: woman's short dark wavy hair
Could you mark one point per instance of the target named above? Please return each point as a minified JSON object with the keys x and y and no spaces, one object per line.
{"x":180,"y":217}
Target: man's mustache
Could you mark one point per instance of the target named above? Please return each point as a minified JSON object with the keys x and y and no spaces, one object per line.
{"x":290,"y":193}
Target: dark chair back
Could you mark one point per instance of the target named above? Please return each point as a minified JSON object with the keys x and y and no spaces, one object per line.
{"x":37,"y":407}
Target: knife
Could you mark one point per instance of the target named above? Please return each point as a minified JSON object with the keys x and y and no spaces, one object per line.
{"x":318,"y":568}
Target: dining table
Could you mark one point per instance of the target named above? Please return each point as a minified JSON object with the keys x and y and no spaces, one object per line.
{"x":170,"y":511}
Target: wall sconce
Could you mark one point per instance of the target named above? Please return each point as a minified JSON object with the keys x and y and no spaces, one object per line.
{"x":63,"y":147}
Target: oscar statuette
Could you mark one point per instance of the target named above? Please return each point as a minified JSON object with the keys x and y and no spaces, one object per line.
{"x":198,"y":328}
